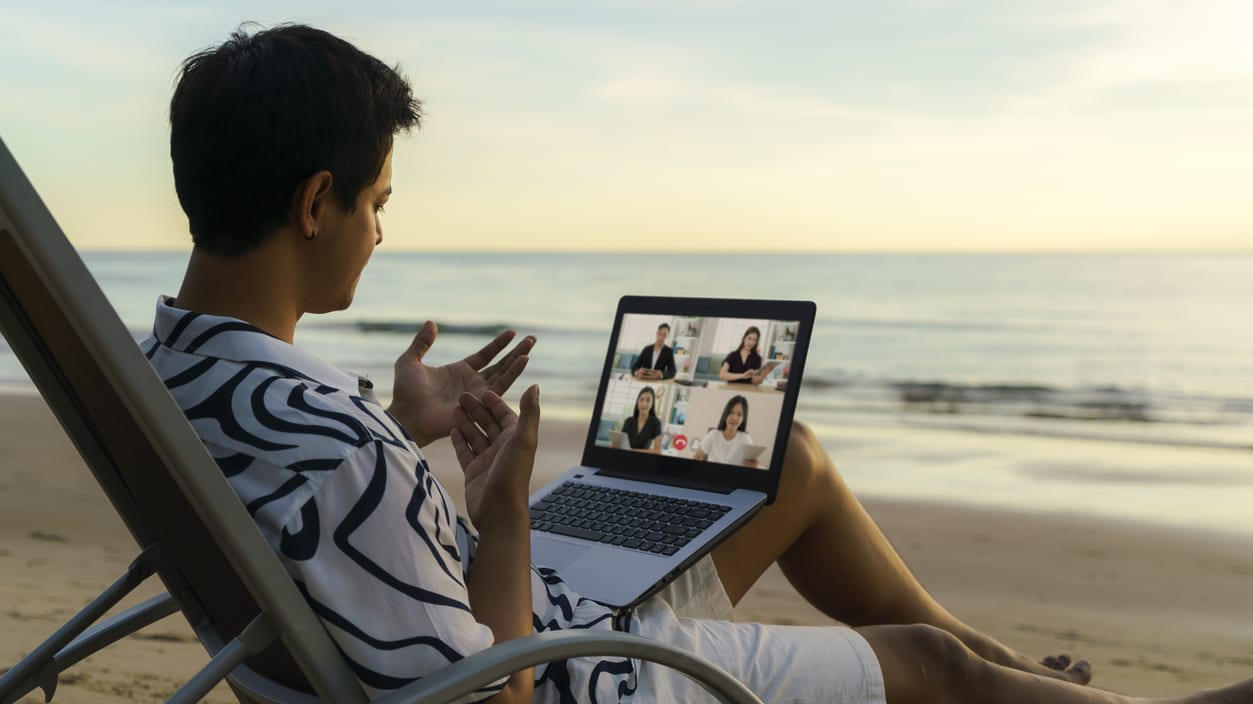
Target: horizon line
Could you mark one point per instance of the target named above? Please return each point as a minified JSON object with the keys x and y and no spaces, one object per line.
{"x":1189,"y":251}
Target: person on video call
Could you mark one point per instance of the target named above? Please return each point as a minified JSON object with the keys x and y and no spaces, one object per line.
{"x":743,"y":366}
{"x":643,"y":427}
{"x":722,"y":443}
{"x":281,"y":142}
{"x":656,"y":361}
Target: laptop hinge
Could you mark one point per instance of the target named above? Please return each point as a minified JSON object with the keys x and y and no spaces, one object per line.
{"x":668,"y":481}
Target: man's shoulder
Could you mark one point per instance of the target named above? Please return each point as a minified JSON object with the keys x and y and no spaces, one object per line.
{"x":268,"y":411}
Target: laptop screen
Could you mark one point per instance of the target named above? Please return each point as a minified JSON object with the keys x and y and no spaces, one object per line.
{"x":700,"y":389}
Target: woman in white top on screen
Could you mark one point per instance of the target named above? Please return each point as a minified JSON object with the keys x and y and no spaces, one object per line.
{"x":721,"y":444}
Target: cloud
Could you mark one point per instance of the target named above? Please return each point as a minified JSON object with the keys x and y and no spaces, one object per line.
{"x":655,"y":87}
{"x":1146,"y":51}
{"x":66,"y":41}
{"x":639,"y":88}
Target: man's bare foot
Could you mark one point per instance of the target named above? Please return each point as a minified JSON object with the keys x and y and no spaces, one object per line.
{"x":1058,"y":667}
{"x":1079,"y":672}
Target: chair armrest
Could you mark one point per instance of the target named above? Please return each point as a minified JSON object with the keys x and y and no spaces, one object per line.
{"x":482,"y":668}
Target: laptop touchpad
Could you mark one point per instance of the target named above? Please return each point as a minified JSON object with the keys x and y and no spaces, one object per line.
{"x":555,"y":554}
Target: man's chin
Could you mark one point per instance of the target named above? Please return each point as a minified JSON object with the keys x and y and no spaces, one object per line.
{"x":332,"y":305}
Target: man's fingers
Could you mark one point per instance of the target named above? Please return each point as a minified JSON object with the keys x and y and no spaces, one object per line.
{"x":481,"y":414}
{"x":459,"y":445}
{"x":500,"y":382}
{"x":480,"y":359}
{"x":499,"y":410}
{"x":422,"y":341}
{"x":505,"y":363}
{"x":528,"y":416}
{"x":470,"y":432}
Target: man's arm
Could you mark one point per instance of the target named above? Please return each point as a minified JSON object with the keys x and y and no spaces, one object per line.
{"x":638,"y":364}
{"x":500,"y":588}
{"x":667,"y":363}
{"x":496,"y":450}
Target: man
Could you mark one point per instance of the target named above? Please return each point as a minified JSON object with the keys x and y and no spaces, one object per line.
{"x":281,"y":145}
{"x":655,"y":361}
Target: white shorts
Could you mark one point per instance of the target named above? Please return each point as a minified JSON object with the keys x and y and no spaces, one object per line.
{"x":781,"y":664}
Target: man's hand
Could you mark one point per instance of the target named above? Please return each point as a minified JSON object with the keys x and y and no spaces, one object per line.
{"x":496,"y":451}
{"x":423,"y":397}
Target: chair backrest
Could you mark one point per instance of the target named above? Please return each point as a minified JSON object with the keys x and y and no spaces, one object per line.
{"x":142,"y":451}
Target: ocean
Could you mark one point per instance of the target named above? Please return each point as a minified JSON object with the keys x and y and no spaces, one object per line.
{"x":1112,"y":385}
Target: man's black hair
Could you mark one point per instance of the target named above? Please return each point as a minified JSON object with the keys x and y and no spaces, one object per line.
{"x":253,"y":118}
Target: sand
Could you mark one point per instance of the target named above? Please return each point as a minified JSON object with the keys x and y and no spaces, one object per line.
{"x":1156,"y":611}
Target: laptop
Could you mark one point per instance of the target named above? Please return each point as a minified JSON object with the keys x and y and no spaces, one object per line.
{"x":627,"y":521}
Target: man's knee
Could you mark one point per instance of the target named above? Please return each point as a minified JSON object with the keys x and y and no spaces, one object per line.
{"x":801,"y":443}
{"x":922,"y":663}
{"x":944,"y":664}
{"x":808,"y":463}
{"x":802,"y":432}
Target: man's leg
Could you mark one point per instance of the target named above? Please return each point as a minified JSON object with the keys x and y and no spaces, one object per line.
{"x":925,"y":665}
{"x":838,"y":559}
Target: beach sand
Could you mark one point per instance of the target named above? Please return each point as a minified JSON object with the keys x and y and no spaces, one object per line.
{"x":1156,"y":611}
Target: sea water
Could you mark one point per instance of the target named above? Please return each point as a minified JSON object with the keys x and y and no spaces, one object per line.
{"x":1113,"y":385}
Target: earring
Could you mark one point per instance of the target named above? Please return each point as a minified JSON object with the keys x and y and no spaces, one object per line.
{"x":312,"y":235}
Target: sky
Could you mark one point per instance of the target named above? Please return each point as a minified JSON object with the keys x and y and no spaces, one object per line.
{"x":701,"y":125}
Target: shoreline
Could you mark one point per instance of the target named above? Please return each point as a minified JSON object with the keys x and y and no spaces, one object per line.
{"x":1157,"y":610}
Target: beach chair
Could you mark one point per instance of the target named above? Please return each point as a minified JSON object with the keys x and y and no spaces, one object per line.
{"x":192,"y":530}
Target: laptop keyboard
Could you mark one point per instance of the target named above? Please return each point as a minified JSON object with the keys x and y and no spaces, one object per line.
{"x":630,"y":519}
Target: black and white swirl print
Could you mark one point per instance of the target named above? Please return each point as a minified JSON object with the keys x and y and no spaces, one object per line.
{"x":348,"y":503}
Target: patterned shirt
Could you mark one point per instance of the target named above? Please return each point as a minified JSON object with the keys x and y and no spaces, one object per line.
{"x":345,"y":498}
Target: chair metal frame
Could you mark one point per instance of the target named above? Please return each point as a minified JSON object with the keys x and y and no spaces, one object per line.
{"x":192,"y":530}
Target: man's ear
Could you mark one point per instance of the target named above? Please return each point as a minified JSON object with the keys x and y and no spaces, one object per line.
{"x":311,"y":198}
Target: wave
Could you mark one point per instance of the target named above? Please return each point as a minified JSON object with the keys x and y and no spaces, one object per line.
{"x":1105,"y":403}
{"x":1114,"y":435}
{"x":409,"y":327}
{"x":491,"y":328}
{"x":1040,"y":402}
{"x":1154,"y":433}
{"x":920,"y":324}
